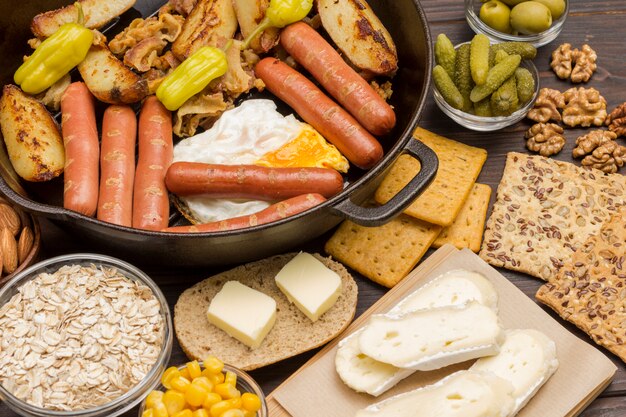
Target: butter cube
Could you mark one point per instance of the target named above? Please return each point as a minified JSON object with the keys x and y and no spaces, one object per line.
{"x":244,"y":313}
{"x":309,"y":284}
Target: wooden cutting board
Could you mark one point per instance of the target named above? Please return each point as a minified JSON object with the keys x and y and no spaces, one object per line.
{"x":316,"y":390}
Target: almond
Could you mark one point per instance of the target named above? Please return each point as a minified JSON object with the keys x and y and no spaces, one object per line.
{"x":25,"y":244}
{"x":9,"y":219}
{"x":8,"y":247}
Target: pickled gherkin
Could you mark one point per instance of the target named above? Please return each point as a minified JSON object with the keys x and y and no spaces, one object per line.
{"x":504,"y":100}
{"x":483,"y":108}
{"x":463,"y":75}
{"x":496,"y":77}
{"x":479,"y":58}
{"x":500,"y":55}
{"x":525,"y":85}
{"x":445,"y":54}
{"x":446,"y":87}
{"x":523,"y":49}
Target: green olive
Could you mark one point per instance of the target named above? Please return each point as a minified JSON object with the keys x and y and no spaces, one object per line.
{"x":530,"y":17}
{"x":557,"y":7}
{"x":512,"y":2}
{"x":496,"y":15}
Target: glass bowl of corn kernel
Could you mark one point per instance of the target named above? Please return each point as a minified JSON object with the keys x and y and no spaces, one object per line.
{"x":205,"y":389}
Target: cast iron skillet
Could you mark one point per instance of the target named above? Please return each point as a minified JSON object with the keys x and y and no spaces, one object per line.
{"x":407,"y":24}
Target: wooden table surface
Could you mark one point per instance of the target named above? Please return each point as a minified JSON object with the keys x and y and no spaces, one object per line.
{"x":597,"y":22}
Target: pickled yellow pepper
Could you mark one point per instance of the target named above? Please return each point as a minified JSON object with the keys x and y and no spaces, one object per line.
{"x":55,"y":57}
{"x":279,"y":14}
{"x":192,"y":76}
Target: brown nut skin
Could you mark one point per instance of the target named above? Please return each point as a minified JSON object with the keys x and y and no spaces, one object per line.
{"x":616,"y":120}
{"x":545,"y":138}
{"x":547,"y":106}
{"x":585,"y":64}
{"x":600,"y":151}
{"x":584,"y":107}
{"x":562,"y":61}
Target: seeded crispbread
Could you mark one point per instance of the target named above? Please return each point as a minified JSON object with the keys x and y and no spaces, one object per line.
{"x":590,"y":289}
{"x":440,"y":203}
{"x":545,"y":210}
{"x":384,"y":254}
{"x":467,"y":229}
{"x":292,"y":334}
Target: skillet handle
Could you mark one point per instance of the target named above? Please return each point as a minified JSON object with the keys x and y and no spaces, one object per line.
{"x":376,"y":216}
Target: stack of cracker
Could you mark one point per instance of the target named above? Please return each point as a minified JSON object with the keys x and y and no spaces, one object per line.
{"x":451,"y":210}
{"x":545,"y":210}
{"x":590,"y":288}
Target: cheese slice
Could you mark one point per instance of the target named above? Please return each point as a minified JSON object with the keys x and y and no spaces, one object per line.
{"x":431,"y":339}
{"x":455,"y":287}
{"x":244,"y":313}
{"x":462,"y":394}
{"x":362,"y":373}
{"x":527,"y":359}
{"x":309,"y":284}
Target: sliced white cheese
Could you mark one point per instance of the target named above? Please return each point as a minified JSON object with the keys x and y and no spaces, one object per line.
{"x":527,"y":359}
{"x":431,"y":339}
{"x":309,"y":284}
{"x":455,"y":287}
{"x":244,"y":313}
{"x":462,"y":394}
{"x":362,"y":373}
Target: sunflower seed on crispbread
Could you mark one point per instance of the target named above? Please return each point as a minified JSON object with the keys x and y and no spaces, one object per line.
{"x":590,"y":289}
{"x":544,"y":211}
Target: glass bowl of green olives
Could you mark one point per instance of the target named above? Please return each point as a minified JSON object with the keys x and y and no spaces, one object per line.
{"x":477,"y":107}
{"x":538,"y":22}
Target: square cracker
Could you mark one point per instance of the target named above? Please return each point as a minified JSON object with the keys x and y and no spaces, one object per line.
{"x":467,"y":229}
{"x":440,"y":203}
{"x":384,"y":254}
{"x":590,"y":289}
{"x":545,"y":210}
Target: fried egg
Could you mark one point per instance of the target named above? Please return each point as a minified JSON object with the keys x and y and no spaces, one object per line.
{"x":253,"y":133}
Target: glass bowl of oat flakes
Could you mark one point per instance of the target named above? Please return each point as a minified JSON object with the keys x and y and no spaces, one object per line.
{"x":81,"y":335}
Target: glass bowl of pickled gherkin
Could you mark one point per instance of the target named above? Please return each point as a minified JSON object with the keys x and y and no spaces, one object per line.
{"x":538,"y":22}
{"x":484,"y":86}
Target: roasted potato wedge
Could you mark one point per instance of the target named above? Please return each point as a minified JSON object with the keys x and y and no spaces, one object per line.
{"x":249,"y":14}
{"x":356,"y":30}
{"x":210,"y":23}
{"x":97,"y":14}
{"x":109,"y":79}
{"x":32,"y":137}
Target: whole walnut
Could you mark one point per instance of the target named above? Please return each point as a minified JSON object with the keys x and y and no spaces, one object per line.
{"x":585,"y":64}
{"x":562,"y":61}
{"x":547,"y":106}
{"x":584,"y":107}
{"x":545,"y":138}
{"x":616,"y":120}
{"x":600,"y":151}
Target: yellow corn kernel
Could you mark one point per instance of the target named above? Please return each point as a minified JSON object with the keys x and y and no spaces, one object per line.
{"x":211,"y":398}
{"x":231,"y":378}
{"x":183,"y":413}
{"x":169,"y":373}
{"x":227,"y":391}
{"x":248,"y":413}
{"x":184,"y":372}
{"x":180,"y":383}
{"x":235,"y":412}
{"x":148,"y":413}
{"x":174,"y":401}
{"x":213,"y":365}
{"x":153,"y":398}
{"x":204,"y":382}
{"x":195,"y":395}
{"x":221,"y":407}
{"x":217,"y":378}
{"x":194,"y":369}
{"x":251,"y":402}
{"x":201,"y":412}
{"x":160,"y":410}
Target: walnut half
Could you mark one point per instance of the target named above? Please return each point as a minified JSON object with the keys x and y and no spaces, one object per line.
{"x":600,"y":151}
{"x":562,"y":61}
{"x":584,"y":107}
{"x":616,"y":121}
{"x":579,"y":65}
{"x":545,"y":138}
{"x":547,"y":106}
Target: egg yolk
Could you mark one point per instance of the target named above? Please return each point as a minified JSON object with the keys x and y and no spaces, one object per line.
{"x":308,"y":149}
